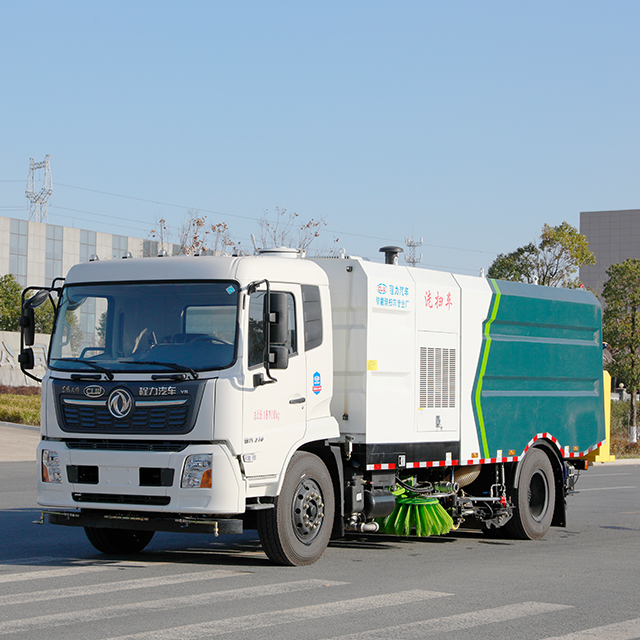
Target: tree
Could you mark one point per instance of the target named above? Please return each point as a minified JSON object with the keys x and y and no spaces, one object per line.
{"x":553,"y":262}
{"x":221,"y":241}
{"x":10,"y":301}
{"x":10,"y":307}
{"x":518,"y":265}
{"x":621,"y":326}
{"x":192,"y":234}
{"x":286,"y":230}
{"x":159,"y":232}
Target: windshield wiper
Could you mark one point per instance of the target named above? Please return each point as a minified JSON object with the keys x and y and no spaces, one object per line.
{"x":169,"y":365}
{"x":91,"y":364}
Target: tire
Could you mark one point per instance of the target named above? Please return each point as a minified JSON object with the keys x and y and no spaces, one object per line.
{"x":118,"y":541}
{"x":297,"y":530}
{"x":534,"y":498}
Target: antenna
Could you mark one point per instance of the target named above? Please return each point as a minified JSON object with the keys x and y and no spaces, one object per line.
{"x":39,"y":210}
{"x":411,"y":257}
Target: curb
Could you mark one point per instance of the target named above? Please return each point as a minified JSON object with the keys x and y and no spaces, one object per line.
{"x":617,"y":461}
{"x":15,"y":425}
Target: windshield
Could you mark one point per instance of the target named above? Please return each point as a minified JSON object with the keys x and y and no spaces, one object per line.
{"x":146,"y":327}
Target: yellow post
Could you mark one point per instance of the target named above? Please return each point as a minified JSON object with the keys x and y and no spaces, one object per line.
{"x":602,"y":454}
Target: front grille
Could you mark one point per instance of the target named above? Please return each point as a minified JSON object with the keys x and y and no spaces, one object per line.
{"x":126,"y":445}
{"x":97,"y":418}
{"x":148,"y":408}
{"x":114,"y":498}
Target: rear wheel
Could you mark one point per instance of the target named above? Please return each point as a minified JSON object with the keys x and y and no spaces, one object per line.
{"x":297,"y":531}
{"x":534,"y":498}
{"x":118,"y":541}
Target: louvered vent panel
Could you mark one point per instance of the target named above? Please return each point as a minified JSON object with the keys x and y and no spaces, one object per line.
{"x":451,"y":378}
{"x":423,"y":377}
{"x":437,"y":378}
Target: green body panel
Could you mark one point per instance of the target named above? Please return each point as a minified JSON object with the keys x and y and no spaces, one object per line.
{"x":540,"y":369}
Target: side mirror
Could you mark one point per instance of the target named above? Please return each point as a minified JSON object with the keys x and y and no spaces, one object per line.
{"x":27,"y":319}
{"x":27,"y":324}
{"x":38,"y":299}
{"x":278,"y":318}
{"x":278,"y":357}
{"x":26,"y":358}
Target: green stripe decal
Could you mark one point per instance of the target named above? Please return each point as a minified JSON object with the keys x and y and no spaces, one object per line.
{"x":495,"y":303}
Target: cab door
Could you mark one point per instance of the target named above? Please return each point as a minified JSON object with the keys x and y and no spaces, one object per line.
{"x":274,"y":413}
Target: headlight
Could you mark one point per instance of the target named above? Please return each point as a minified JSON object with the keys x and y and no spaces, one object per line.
{"x":51,"y":467}
{"x":197,"y":471}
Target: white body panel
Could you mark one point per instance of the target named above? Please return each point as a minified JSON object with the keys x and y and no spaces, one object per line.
{"x":385,"y":319}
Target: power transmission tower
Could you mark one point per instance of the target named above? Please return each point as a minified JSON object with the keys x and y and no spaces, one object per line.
{"x":38,"y":209}
{"x":411,"y":256}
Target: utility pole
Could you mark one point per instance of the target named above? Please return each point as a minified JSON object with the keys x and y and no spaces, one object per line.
{"x":38,"y":209}
{"x":411,"y":256}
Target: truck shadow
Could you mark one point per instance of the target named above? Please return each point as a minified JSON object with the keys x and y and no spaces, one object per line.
{"x":54,"y":546}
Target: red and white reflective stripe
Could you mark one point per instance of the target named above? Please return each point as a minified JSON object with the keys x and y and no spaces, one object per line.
{"x":424,"y":465}
{"x":575,"y":454}
{"x":545,"y":436}
{"x":563,"y":451}
{"x":490,"y":460}
{"x":463,"y":463}
{"x":380,"y":467}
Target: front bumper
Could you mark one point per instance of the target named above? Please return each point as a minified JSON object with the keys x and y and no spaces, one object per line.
{"x":144,"y":522}
{"x":141,"y":481}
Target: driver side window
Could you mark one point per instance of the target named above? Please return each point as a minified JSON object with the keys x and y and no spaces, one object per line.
{"x":256,"y":329}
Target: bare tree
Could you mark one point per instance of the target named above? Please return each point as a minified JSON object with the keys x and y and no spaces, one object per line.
{"x":192,"y":235}
{"x":328,"y":251}
{"x":287,"y":230}
{"x":221,"y":241}
{"x":159,"y":232}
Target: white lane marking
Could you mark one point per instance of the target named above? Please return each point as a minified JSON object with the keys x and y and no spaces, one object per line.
{"x":602,"y":475}
{"x":285,"y":616}
{"x":603,"y":489}
{"x":164,"y":604}
{"x":73,"y":570}
{"x":51,"y":573}
{"x":618,"y":631}
{"x":36,"y":560}
{"x":455,"y":622}
{"x":120,"y":585}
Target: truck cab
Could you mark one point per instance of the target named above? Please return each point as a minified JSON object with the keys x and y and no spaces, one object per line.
{"x":180,"y":388}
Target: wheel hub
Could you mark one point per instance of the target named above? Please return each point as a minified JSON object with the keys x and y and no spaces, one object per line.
{"x":538,"y":495}
{"x":307,"y":510}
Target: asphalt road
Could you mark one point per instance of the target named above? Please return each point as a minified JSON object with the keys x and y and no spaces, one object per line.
{"x":579,"y":582}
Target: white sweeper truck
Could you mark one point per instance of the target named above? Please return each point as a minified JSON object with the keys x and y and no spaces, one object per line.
{"x":308,"y":398}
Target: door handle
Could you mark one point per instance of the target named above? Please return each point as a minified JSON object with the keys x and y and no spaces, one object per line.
{"x":297,"y":401}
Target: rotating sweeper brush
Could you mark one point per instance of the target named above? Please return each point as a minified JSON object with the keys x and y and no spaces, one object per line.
{"x":416,"y":514}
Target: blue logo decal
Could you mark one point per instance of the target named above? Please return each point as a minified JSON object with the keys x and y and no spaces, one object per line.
{"x":317,"y":383}
{"x":230,"y":289}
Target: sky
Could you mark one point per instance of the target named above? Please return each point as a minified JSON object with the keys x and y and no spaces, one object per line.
{"x":467,"y":124}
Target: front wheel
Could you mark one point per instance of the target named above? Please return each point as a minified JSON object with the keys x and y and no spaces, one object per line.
{"x":534,"y":498}
{"x":297,"y":530}
{"x":118,"y":541}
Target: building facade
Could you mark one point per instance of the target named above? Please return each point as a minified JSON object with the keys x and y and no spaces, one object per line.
{"x":613,"y":237}
{"x":36,"y":252}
